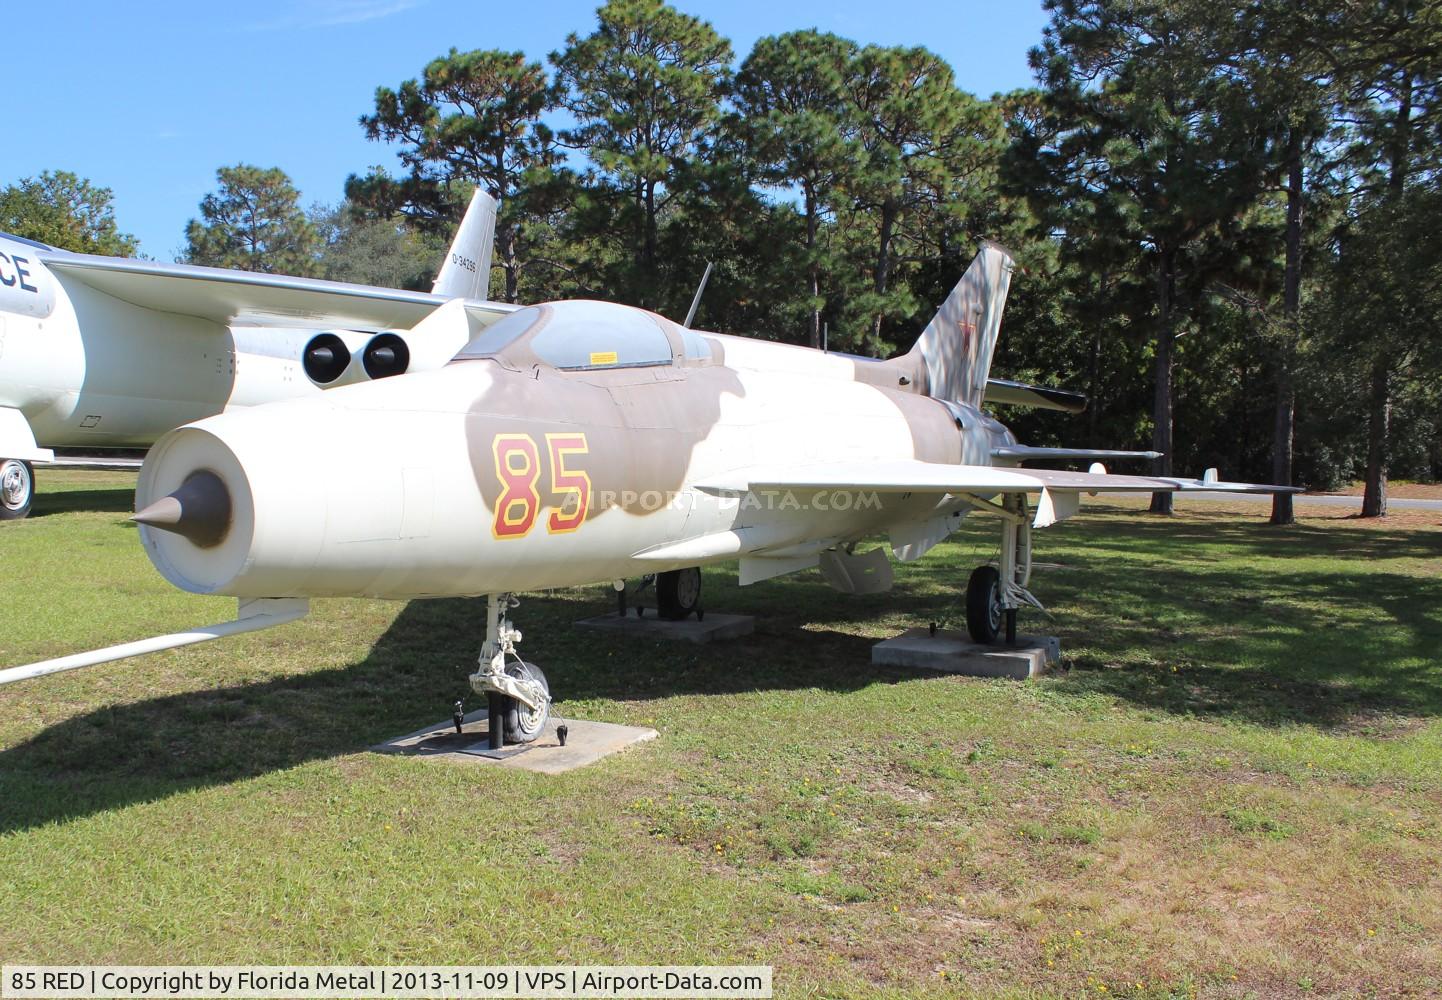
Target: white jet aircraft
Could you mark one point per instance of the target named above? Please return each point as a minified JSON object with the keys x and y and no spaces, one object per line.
{"x":105,"y":352}
{"x":578,"y":442}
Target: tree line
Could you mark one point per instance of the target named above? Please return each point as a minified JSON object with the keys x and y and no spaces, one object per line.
{"x":1226,"y":217}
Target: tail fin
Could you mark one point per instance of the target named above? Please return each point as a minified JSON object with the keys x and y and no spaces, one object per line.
{"x":466,"y":271}
{"x":957,"y":344}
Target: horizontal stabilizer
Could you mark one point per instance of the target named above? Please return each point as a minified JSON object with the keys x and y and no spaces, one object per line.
{"x":1007,"y":392}
{"x":1022,"y":453}
{"x":1104,"y":482}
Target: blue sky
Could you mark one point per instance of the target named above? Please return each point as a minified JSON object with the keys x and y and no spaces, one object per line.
{"x":150,"y":98}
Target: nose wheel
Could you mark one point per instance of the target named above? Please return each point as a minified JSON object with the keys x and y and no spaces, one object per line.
{"x":517,"y":695}
{"x":522,"y":722}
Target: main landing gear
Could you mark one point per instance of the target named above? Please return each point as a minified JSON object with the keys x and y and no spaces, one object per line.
{"x":678,"y":594}
{"x":994,"y":593}
{"x":518,"y":699}
{"x":17,"y":488}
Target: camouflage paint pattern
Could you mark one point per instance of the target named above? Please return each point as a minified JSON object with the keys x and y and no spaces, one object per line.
{"x":469,"y":480}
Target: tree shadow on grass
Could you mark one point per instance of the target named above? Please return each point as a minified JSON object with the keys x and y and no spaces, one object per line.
{"x":1207,"y":635}
{"x":1265,"y":660}
{"x":1122,"y":529}
{"x":150,"y":749}
{"x":103,"y":501}
{"x":1186,"y":634}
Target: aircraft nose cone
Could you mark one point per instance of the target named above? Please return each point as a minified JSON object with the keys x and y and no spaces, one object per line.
{"x":200,"y":510}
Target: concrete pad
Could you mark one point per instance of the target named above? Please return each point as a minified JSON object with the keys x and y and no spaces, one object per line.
{"x":586,"y":743}
{"x":955,"y":653}
{"x":713,"y":628}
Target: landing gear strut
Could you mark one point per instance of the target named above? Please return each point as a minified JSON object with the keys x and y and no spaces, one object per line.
{"x":678,"y":594}
{"x":518,"y":699}
{"x":994,"y":593}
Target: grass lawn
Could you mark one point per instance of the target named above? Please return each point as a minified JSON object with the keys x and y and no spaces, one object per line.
{"x":1233,"y":790}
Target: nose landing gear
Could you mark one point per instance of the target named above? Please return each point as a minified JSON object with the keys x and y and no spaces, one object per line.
{"x":518,"y":698}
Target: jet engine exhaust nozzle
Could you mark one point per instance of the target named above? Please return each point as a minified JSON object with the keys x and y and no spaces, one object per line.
{"x":386,"y":355}
{"x":325,"y":358}
{"x":200,"y":510}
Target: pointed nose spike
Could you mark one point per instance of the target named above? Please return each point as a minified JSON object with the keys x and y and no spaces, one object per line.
{"x":164,"y":513}
{"x":200,"y":510}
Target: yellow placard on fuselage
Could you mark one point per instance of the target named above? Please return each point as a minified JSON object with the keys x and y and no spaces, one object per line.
{"x":603,"y":357}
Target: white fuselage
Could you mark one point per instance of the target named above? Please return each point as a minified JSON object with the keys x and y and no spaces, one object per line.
{"x":89,"y":370}
{"x":398,"y":489}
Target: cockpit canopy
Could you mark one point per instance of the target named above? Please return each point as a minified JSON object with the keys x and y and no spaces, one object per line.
{"x":584,"y":335}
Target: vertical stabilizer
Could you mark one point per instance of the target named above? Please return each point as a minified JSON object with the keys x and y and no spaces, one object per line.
{"x":957,"y":345}
{"x":466,"y":271}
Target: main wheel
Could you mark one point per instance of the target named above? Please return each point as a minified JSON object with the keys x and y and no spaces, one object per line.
{"x":524,"y":724}
{"x":984,"y":613}
{"x":678,"y":593}
{"x":17,"y":488}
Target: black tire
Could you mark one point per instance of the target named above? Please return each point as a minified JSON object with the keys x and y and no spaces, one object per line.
{"x":984,"y":614}
{"x":523,"y":724}
{"x":17,"y":489}
{"x":678,"y":593}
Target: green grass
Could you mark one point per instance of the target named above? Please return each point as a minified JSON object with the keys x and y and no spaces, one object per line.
{"x":1235,"y":789}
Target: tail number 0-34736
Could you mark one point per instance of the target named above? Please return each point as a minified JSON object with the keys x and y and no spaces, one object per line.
{"x":518,"y":468}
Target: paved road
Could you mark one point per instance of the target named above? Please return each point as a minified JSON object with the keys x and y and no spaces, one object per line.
{"x":1393,"y":503}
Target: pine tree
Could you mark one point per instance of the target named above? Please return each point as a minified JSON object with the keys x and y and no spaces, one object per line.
{"x":253,"y":223}
{"x":645,"y":89}
{"x":473,"y":119}
{"x":64,"y":211}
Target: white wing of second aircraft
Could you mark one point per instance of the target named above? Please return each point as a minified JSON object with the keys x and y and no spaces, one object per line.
{"x":246,"y":298}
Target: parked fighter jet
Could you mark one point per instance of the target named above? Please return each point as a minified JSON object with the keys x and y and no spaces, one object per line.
{"x":577,"y":442}
{"x":103,"y":352}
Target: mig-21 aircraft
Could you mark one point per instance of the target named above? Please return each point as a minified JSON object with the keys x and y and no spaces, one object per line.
{"x":580,"y":442}
{"x":101,"y":353}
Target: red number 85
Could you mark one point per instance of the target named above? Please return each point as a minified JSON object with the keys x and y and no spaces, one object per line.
{"x":518,"y":470}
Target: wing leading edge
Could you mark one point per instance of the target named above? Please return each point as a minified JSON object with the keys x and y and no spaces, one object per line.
{"x":910,"y":476}
{"x":245,"y":298}
{"x":981,"y":481}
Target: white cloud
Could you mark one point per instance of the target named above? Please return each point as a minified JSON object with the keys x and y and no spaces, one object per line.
{"x":331,"y":13}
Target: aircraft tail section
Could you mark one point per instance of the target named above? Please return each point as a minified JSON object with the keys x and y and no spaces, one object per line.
{"x":956,"y":347}
{"x":466,"y":271}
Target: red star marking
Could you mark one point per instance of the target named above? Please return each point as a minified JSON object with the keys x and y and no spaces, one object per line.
{"x":968,"y":331}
